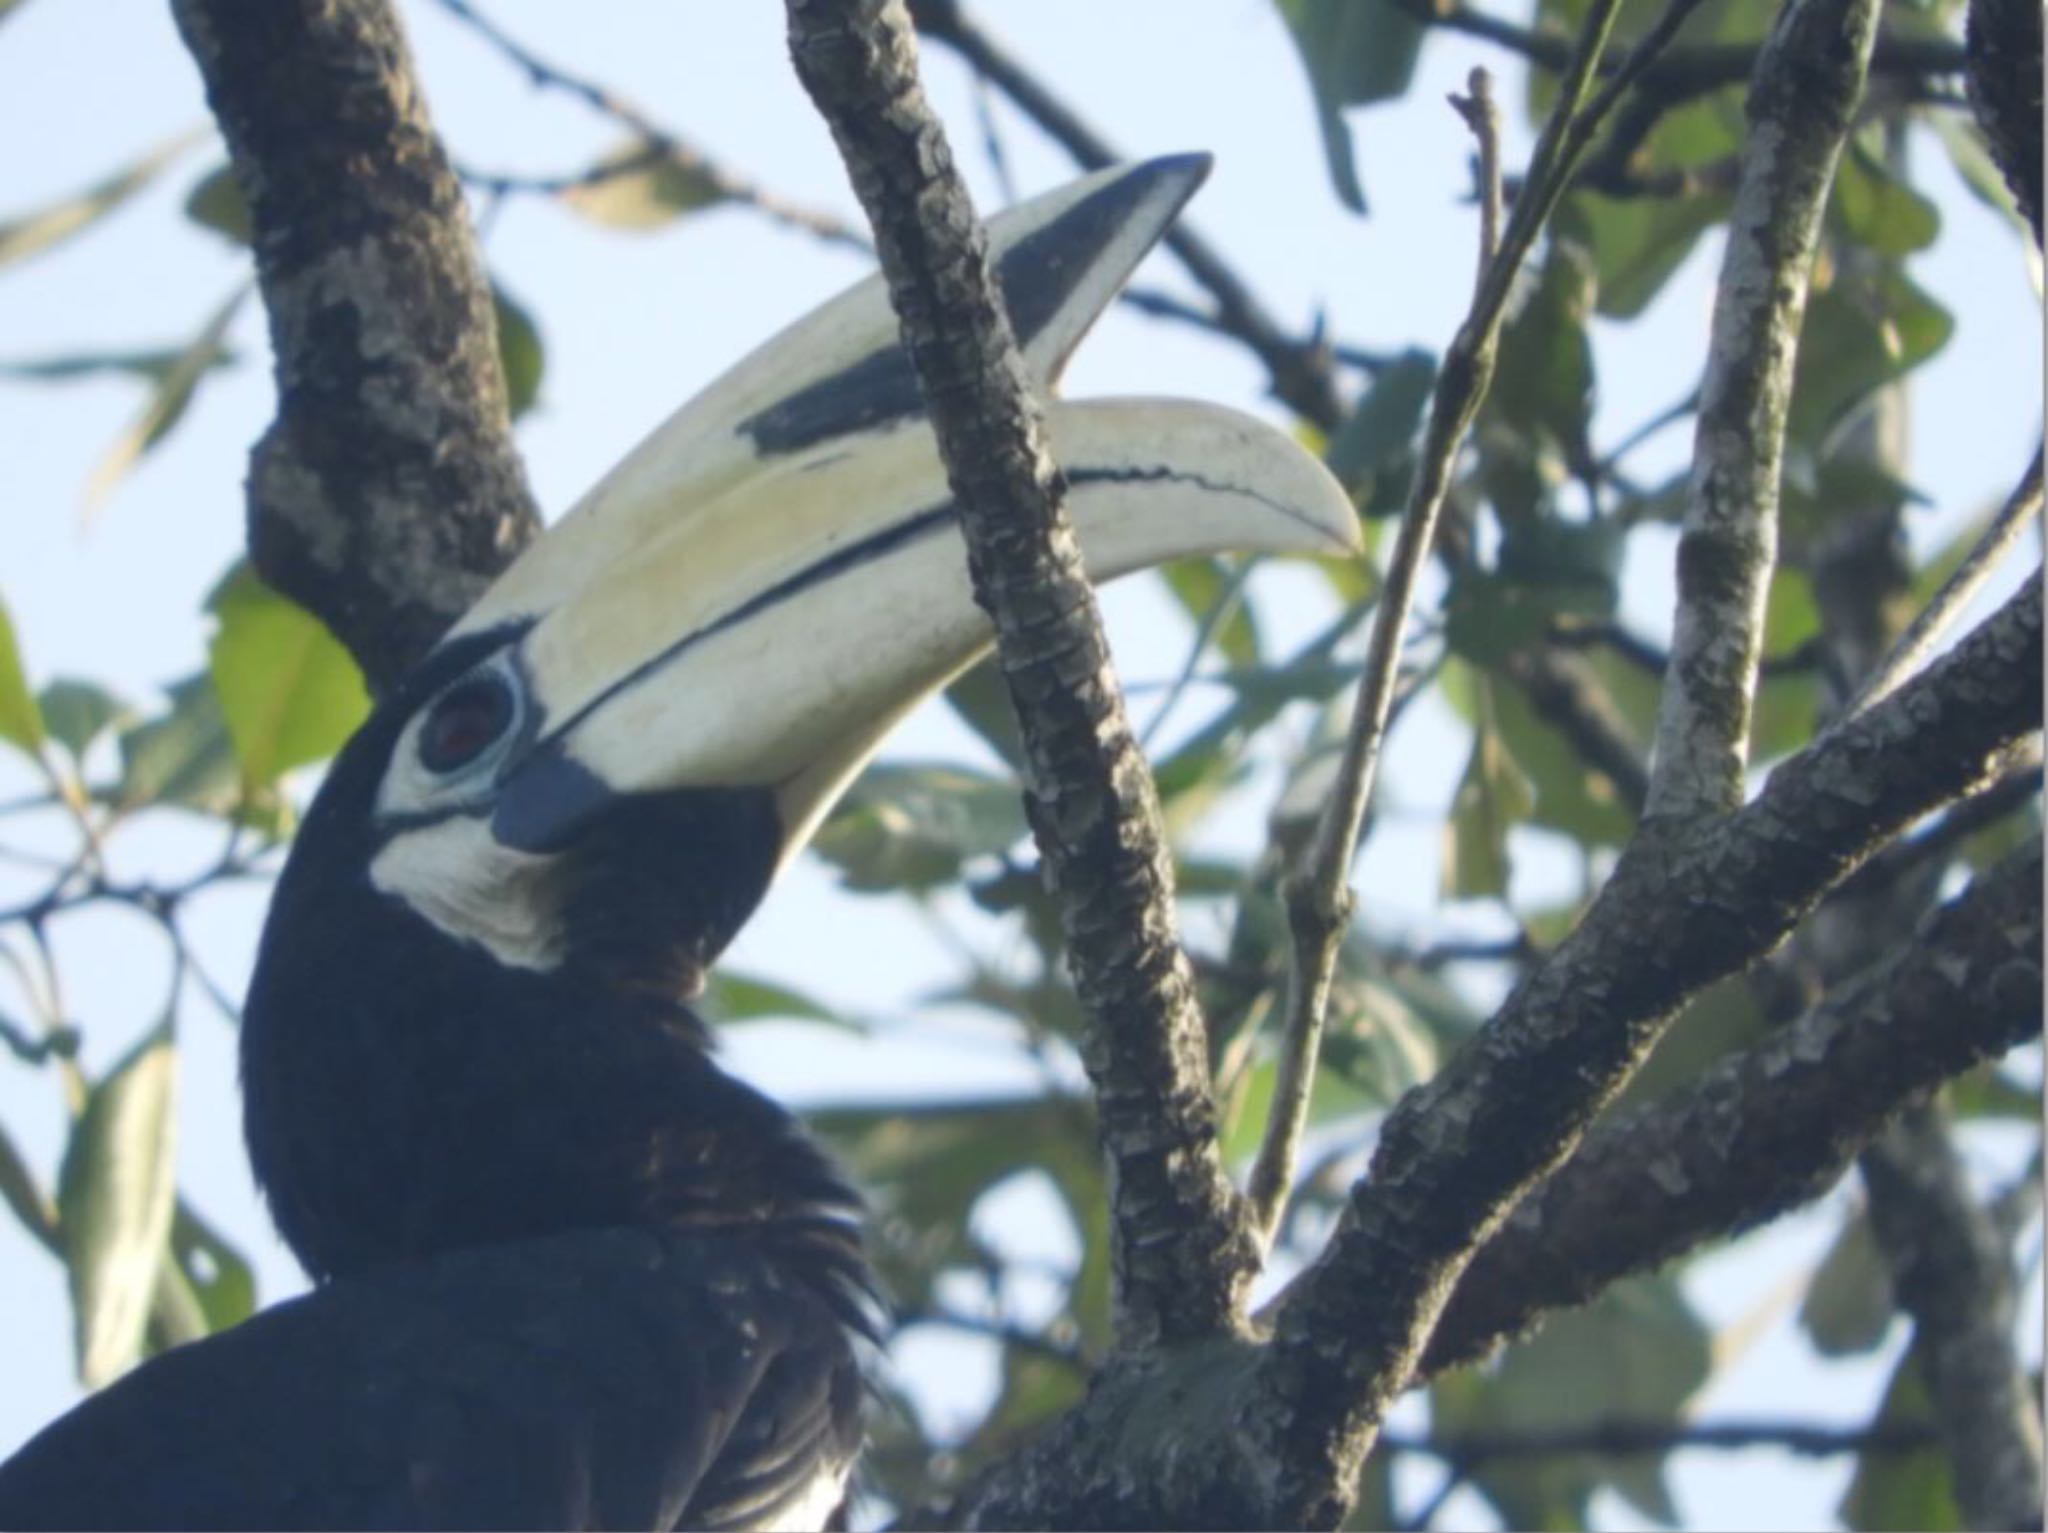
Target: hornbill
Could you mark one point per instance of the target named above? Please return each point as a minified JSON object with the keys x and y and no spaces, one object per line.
{"x":568,"y":1273}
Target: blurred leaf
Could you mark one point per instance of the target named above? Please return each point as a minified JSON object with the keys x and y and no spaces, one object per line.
{"x":152,"y":366}
{"x":1547,"y":568}
{"x":926,"y":1164}
{"x":1854,"y":344}
{"x":184,"y":757}
{"x":1373,"y":452}
{"x":166,"y":406}
{"x":20,"y":1192}
{"x":1356,"y":52}
{"x":1544,"y":379}
{"x":1034,"y":1390}
{"x":1638,"y":242}
{"x":216,"y":202}
{"x":732,"y":997}
{"x":652,"y":190}
{"x":1877,"y":210}
{"x":916,"y":827}
{"x":114,"y":1197}
{"x":1903,"y":1491}
{"x":288,"y":692}
{"x":1492,"y":798}
{"x":21,"y":721}
{"x":1848,"y":1305}
{"x":1570,"y":796}
{"x":1213,"y":597}
{"x":1637,"y":1354}
{"x":979,"y":696}
{"x":77,"y":713}
{"x":520,"y":353}
{"x":31,"y":233}
{"x":220,"y":1276}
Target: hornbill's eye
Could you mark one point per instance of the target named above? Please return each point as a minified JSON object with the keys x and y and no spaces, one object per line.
{"x":467,"y":720}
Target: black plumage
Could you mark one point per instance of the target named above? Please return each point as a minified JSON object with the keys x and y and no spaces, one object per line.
{"x":574,"y":1275}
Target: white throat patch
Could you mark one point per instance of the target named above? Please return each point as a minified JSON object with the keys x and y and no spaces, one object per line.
{"x":457,"y":875}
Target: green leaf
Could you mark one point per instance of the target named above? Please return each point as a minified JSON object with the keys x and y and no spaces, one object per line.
{"x":1903,"y":1490}
{"x":1973,"y":163}
{"x":77,"y":713}
{"x":1544,"y":379}
{"x":289,"y":693}
{"x":1877,"y":210}
{"x":184,"y":757}
{"x":216,"y":202}
{"x":732,"y":997}
{"x":114,"y":1200}
{"x":151,"y":365}
{"x":1848,"y":1305}
{"x":916,"y":827}
{"x":1855,"y":343}
{"x":166,"y":405}
{"x":20,"y":1191}
{"x":21,"y":721}
{"x":220,"y":1276}
{"x":520,"y":353}
{"x":1571,"y":796}
{"x":1637,"y":1354}
{"x":1638,"y":242}
{"x":1356,"y":52}
{"x":638,"y":186}
{"x":1214,"y":598}
{"x":1373,"y":452}
{"x":1720,"y":1019}
{"x":1492,"y":798}
{"x":32,"y":233}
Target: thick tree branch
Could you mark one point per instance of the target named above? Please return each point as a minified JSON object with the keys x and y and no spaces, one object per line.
{"x":1808,"y":80}
{"x":1680,"y":911}
{"x":1952,"y":1274}
{"x":2003,"y":43}
{"x":1766,"y":1129}
{"x":387,"y":493}
{"x":1183,"y":1251}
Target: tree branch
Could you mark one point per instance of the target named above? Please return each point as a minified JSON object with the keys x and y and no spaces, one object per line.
{"x":387,"y":493}
{"x":1768,"y":1128}
{"x":1951,"y":1273}
{"x":1183,"y":1252}
{"x":1809,"y":77}
{"x":1956,"y":593}
{"x":1682,"y":909}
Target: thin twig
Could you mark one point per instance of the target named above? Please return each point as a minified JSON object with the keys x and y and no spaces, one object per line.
{"x":1318,"y":895}
{"x":657,"y":145}
{"x":1618,"y":1439}
{"x":1956,"y":592}
{"x":1482,"y":116}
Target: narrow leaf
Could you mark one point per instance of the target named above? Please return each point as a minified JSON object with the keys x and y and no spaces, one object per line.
{"x":115,"y":1201}
{"x":21,"y":721}
{"x":289,"y":693}
{"x":32,"y":233}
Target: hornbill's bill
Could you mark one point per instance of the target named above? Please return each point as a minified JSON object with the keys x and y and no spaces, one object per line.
{"x":568,"y":1272}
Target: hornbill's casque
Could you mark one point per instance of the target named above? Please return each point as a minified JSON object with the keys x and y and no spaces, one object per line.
{"x":569,"y":1273}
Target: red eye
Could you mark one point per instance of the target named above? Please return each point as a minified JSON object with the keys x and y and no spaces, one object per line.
{"x":467,"y":720}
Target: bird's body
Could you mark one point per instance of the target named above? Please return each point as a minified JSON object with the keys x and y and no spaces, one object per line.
{"x":569,"y":1272}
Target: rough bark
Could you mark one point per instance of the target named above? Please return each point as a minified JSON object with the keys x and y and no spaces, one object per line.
{"x":1183,"y":1251}
{"x":1241,"y":1434}
{"x":1952,"y":1274}
{"x":1769,"y":1128}
{"x":2003,"y":44}
{"x":1808,"y":80}
{"x":386,"y":494}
